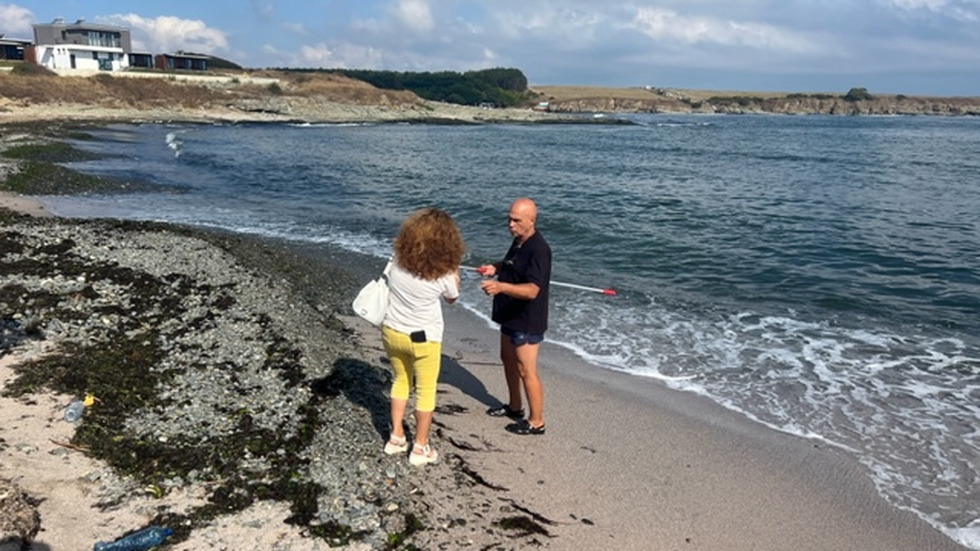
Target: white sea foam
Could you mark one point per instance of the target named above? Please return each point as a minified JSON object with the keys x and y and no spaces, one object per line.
{"x":891,"y":400}
{"x":329,"y":124}
{"x":969,"y":536}
{"x":175,"y":144}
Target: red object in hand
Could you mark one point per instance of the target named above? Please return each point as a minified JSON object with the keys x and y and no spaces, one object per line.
{"x":482,"y":270}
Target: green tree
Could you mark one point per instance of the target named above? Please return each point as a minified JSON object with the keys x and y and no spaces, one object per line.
{"x":500,"y":86}
{"x":505,"y":79}
{"x":857,"y":94}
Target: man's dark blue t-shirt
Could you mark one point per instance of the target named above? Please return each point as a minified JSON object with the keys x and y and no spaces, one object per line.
{"x":529,"y":262}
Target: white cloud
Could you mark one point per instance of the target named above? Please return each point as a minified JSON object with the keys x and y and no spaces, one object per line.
{"x":933,"y":5}
{"x":415,"y":14}
{"x":15,"y":21}
{"x":669,"y":26}
{"x":324,"y":56}
{"x":965,"y":11}
{"x":169,"y":34}
{"x":966,"y":16}
{"x":319,"y":55}
{"x":296,"y":28}
{"x":264,"y":9}
{"x":561,"y":24}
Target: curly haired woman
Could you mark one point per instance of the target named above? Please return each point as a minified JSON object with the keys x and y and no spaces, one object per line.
{"x":427,"y":254}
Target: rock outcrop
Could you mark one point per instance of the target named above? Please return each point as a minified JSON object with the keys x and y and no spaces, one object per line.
{"x":790,"y":104}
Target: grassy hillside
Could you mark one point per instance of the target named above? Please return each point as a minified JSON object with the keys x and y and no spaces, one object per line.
{"x":39,"y":86}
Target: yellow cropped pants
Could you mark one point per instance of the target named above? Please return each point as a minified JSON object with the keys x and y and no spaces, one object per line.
{"x":415,"y":364}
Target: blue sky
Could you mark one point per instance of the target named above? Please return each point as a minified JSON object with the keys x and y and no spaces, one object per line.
{"x":926,"y":47}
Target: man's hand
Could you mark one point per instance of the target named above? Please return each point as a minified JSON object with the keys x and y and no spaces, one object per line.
{"x":491,"y":286}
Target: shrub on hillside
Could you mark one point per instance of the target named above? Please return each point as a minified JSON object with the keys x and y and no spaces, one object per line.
{"x":503,"y":87}
{"x":31,"y":69}
{"x":858,"y":94}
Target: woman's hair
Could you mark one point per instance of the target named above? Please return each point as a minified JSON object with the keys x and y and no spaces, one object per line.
{"x":429,"y":244}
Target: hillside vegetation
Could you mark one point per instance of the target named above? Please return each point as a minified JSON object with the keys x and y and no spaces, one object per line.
{"x":37,"y":85}
{"x":499,"y":87}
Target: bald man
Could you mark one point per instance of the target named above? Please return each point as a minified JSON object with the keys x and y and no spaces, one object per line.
{"x":520,"y":306}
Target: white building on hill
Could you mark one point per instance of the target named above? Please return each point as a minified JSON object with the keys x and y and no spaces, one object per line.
{"x":80,"y":45}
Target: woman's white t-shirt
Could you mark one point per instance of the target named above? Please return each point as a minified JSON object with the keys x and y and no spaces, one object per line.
{"x":414,"y":303}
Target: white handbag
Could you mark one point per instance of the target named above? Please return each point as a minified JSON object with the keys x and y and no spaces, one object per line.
{"x":371,"y":302}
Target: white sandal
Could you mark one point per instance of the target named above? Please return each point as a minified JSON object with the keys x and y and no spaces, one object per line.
{"x":422,"y":454}
{"x":396,"y":444}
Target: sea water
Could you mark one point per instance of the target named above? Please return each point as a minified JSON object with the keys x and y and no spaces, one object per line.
{"x":820,"y":275}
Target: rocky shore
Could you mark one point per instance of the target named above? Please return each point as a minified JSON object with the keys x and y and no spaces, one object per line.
{"x":229,"y":392}
{"x":789,"y":104}
{"x":299,"y":111}
{"x":220,"y":371}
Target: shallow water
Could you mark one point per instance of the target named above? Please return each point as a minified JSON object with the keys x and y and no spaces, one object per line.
{"x":818,"y":274}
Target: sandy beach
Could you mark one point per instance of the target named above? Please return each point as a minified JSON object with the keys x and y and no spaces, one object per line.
{"x":629,"y":464}
{"x":22,"y":204}
{"x":626,"y":464}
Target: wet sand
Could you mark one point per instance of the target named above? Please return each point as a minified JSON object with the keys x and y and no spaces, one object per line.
{"x":23,"y":204}
{"x":629,"y":464}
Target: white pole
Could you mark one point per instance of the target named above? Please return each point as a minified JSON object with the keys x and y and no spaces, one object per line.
{"x":563,"y":284}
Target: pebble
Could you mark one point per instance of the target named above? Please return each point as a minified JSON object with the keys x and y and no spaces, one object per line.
{"x":217,"y":358}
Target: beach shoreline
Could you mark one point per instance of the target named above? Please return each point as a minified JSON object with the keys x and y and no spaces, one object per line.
{"x":650,"y":466}
{"x":300,"y":112}
{"x":627,"y":463}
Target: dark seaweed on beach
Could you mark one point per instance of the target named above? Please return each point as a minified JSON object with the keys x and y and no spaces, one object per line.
{"x":523,"y":525}
{"x":49,"y":152}
{"x":120,"y":331}
{"x":35,"y":168}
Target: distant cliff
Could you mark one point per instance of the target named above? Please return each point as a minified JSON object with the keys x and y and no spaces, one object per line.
{"x":791,"y":104}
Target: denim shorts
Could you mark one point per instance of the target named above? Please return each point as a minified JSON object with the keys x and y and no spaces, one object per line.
{"x":518,"y":338}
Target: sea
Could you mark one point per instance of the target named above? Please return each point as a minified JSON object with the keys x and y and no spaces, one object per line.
{"x":819,"y":275}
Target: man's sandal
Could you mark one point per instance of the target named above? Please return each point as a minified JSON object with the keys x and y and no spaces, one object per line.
{"x":505,"y":411}
{"x":525,"y":428}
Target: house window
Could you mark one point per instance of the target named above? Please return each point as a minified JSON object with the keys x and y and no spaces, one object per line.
{"x":104,"y":39}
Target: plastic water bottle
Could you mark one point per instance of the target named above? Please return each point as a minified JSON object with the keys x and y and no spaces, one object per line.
{"x":137,"y":541}
{"x":74,"y":411}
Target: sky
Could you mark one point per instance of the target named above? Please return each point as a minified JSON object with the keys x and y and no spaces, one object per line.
{"x":915,"y":47}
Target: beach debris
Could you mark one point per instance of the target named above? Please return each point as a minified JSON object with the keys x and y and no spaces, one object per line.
{"x":71,"y":446}
{"x":74,"y":411}
{"x":523,"y":525}
{"x":462,"y":466}
{"x":137,"y":541}
{"x":19,"y":519}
